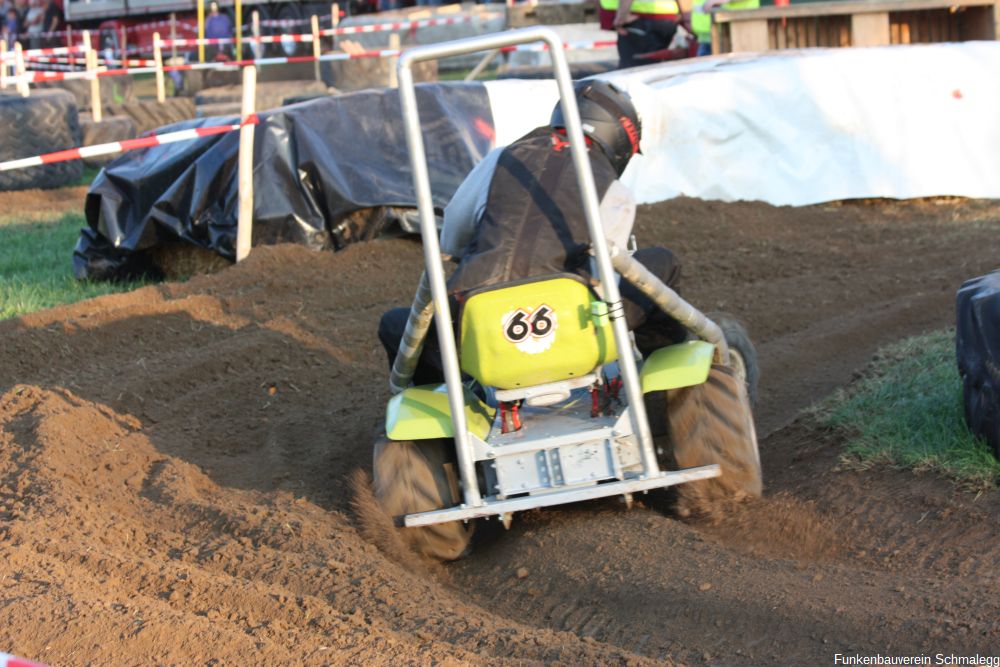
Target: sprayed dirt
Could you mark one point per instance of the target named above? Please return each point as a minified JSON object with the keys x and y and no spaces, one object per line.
{"x":176,"y":467}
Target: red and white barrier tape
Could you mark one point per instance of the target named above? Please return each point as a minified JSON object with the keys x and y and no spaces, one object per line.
{"x":123,"y":146}
{"x":54,"y":51}
{"x":329,"y":32}
{"x":399,"y":25}
{"x":35,"y":77}
{"x":55,"y":67}
{"x":13,"y":661}
{"x":288,"y":23}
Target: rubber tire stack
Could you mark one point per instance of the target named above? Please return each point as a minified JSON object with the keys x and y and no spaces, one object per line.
{"x":150,"y":116}
{"x":111,"y":128}
{"x":227,"y":100}
{"x":43,"y":123}
{"x":113,"y":88}
{"x":977,"y":346}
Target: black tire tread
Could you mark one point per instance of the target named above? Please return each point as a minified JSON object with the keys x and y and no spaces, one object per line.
{"x":737,"y":338}
{"x":713,"y":423}
{"x":45,"y":122}
{"x":111,"y":128}
{"x":149,"y":116}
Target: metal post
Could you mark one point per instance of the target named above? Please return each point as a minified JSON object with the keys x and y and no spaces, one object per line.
{"x":606,"y":273}
{"x":201,"y":31}
{"x":316,"y":47}
{"x":161,"y":88}
{"x":239,"y":29}
{"x":244,"y":233}
{"x":439,"y":291}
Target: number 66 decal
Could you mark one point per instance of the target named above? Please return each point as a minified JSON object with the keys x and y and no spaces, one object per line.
{"x":522,"y":324}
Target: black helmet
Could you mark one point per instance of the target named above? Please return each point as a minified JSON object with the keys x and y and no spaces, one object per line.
{"x":608,"y":118}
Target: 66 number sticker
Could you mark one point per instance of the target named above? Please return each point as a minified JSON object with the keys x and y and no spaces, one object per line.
{"x":532,"y":330}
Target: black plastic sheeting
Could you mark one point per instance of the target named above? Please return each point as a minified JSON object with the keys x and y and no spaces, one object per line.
{"x":314,"y":164}
{"x":977,"y":343}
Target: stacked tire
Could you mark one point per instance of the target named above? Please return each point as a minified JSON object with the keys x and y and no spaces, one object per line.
{"x":977,"y":346}
{"x":45,"y":122}
{"x":150,"y":116}
{"x":110,"y":129}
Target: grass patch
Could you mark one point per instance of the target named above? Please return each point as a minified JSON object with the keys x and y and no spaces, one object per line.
{"x":35,"y":266}
{"x":907,"y":411}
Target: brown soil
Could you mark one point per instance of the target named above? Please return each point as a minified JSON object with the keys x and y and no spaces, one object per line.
{"x":36,"y":205}
{"x":175,"y":469}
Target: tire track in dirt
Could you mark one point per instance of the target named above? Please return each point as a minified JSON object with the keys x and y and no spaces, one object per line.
{"x":250,"y":396}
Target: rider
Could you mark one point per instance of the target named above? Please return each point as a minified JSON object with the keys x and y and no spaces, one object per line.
{"x":519,"y":214}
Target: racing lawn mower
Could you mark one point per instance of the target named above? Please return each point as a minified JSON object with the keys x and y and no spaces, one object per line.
{"x":555,"y":410}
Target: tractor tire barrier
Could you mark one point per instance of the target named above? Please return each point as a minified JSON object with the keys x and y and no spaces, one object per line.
{"x":43,"y":123}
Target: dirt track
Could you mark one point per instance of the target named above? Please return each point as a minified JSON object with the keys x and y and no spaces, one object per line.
{"x":173,"y":467}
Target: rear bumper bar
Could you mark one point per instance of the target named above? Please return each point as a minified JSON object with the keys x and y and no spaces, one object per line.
{"x":490,"y":508}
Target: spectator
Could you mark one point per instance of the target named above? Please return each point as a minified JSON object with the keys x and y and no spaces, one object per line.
{"x":217,"y":26}
{"x":52,"y":21}
{"x":643,"y":26}
{"x":34,"y":23}
{"x":11,"y":26}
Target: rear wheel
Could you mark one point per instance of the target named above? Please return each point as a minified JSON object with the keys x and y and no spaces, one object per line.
{"x":421,"y":476}
{"x":713,"y":423}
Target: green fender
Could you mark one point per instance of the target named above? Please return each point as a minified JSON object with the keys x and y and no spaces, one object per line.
{"x":422,"y":413}
{"x":676,"y":366}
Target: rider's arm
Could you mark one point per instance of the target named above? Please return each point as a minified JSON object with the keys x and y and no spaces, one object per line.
{"x":463,"y":212}
{"x":618,"y":214}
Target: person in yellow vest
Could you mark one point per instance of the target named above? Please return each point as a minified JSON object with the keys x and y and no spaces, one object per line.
{"x":701,"y":19}
{"x":643,"y":26}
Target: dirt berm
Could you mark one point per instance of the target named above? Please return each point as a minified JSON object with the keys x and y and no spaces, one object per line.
{"x":174,"y":467}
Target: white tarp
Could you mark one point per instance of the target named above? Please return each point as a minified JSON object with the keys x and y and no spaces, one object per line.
{"x":803,"y":127}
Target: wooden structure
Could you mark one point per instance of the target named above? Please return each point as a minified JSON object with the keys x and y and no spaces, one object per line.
{"x":855,"y":23}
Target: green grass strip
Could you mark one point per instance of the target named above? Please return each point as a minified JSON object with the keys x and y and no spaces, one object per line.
{"x":35,"y":267}
{"x":907,"y":411}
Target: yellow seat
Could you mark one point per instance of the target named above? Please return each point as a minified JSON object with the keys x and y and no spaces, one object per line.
{"x":534,"y":333}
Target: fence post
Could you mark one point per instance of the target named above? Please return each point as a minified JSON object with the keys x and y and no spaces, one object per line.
{"x":173,"y":36}
{"x":3,"y":63}
{"x":394,"y":45}
{"x":124,"y":48}
{"x":201,"y":31}
{"x":161,"y":88}
{"x":22,"y":83}
{"x":316,"y":47}
{"x":255,"y":33}
{"x":95,"y":86}
{"x":239,"y":29}
{"x":244,"y":233}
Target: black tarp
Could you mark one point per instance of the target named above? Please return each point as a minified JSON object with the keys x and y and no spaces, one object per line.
{"x":977,"y":344}
{"x":314,"y":163}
